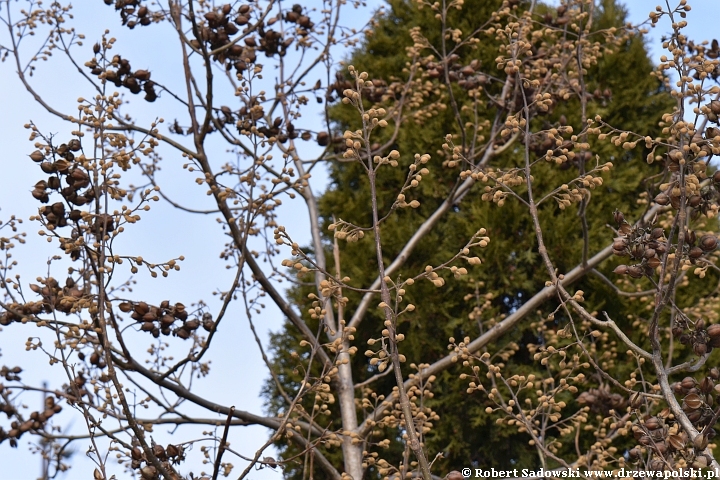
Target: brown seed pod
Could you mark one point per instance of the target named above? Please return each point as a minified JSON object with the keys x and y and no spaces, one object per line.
{"x":74,"y":145}
{"x":707,"y":385}
{"x":621,"y":270}
{"x":159,"y":452}
{"x":660,"y":447}
{"x":183,"y":333}
{"x":207,"y":322}
{"x":676,"y":442}
{"x":694,"y":416}
{"x":142,"y":75}
{"x":304,"y":21}
{"x":635,"y":271}
{"x":653,"y":262}
{"x":172,"y":450}
{"x":167,"y":320}
{"x":714,"y":330}
{"x":148,"y":472}
{"x":715,"y":107}
{"x":692,"y":402}
{"x":141,"y":308}
{"x":652,"y":423}
{"x":700,"y":442}
{"x":708,"y":242}
{"x":688,"y":383}
{"x":323,"y":138}
{"x":231,"y":29}
{"x":48,"y":167}
{"x":136,"y":453}
{"x":54,"y":183}
{"x":701,"y":461}
{"x":662,"y":199}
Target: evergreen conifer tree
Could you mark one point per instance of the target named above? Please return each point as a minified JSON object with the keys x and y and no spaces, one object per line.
{"x":625,"y":94}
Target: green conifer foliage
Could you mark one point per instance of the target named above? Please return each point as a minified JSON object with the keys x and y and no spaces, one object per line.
{"x":624,"y":93}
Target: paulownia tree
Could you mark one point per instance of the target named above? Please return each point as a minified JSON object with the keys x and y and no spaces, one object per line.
{"x":511,"y":271}
{"x":638,"y":374}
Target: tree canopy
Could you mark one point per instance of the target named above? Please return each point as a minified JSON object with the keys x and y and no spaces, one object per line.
{"x":624,"y":92}
{"x":516,"y":251}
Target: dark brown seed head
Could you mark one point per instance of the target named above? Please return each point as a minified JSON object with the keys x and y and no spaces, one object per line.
{"x":662,"y":199}
{"x":708,"y":242}
{"x":700,"y":349}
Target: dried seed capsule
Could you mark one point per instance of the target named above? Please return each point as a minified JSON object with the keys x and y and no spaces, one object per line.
{"x":707,"y":385}
{"x":652,"y":423}
{"x":714,"y":330}
{"x":688,"y":383}
{"x":708,"y":242}
{"x":700,"y":349}
{"x":662,"y":199}
{"x":621,"y":270}
{"x":700,"y":442}
{"x":635,"y":271}
{"x":715,"y":106}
